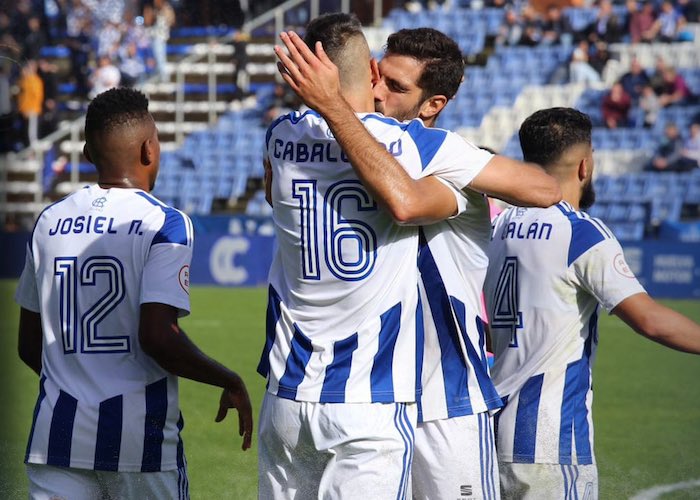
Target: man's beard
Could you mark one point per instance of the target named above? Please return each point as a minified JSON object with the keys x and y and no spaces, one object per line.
{"x":587,"y":195}
{"x":399,"y":115}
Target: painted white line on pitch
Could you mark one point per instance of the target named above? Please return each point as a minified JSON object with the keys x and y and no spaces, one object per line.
{"x":656,"y":491}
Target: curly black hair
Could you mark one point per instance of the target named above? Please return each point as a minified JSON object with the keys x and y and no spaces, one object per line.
{"x":443,"y":68}
{"x":547,"y":133}
{"x":113,"y":109}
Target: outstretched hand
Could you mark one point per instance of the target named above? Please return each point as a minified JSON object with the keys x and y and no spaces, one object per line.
{"x":313,"y":77}
{"x":236,"y":396}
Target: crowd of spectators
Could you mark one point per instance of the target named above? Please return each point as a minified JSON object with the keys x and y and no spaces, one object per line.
{"x":109,"y":42}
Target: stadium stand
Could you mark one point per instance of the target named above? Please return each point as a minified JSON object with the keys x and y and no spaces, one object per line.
{"x":213,"y":109}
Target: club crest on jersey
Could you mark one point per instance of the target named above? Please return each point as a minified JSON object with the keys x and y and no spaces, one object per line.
{"x":184,"y":278}
{"x":99,"y":203}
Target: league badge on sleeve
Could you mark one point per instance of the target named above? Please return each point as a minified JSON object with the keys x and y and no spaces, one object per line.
{"x":622,"y":267}
{"x":184,"y":278}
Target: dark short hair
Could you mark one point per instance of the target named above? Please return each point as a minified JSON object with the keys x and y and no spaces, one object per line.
{"x":546,"y":134}
{"x":443,"y":62}
{"x":333,"y":30}
{"x":113,"y":109}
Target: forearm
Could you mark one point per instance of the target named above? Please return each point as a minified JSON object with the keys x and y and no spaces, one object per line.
{"x":408,"y":200}
{"x":180,"y":356}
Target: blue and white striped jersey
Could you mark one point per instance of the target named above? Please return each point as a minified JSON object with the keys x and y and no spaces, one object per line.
{"x":549,"y":269}
{"x":452,"y":263}
{"x":342,"y":323}
{"x":93,"y":259}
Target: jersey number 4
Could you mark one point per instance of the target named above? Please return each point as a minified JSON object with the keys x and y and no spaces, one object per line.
{"x":82,"y":333}
{"x":349,"y":245}
{"x":505,"y":311}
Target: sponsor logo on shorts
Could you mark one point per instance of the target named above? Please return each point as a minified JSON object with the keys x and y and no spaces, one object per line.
{"x":465,"y":490}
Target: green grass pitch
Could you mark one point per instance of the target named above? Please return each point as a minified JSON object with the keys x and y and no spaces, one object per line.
{"x":646,"y":405}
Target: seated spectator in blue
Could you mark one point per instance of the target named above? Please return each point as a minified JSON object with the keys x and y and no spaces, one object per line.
{"x":606,"y":27}
{"x":616,"y":107}
{"x":669,"y":23}
{"x":580,"y":71}
{"x":511,"y":31}
{"x":690,"y":9}
{"x":691,"y":148}
{"x":635,"y":80}
{"x":668,"y":156}
{"x":131,"y":66}
{"x":675,"y":90}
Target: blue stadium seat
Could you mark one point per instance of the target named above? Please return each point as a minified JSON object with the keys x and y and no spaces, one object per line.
{"x":628,"y":231}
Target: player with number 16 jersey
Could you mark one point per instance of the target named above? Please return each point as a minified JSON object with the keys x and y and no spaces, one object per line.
{"x":343,"y":285}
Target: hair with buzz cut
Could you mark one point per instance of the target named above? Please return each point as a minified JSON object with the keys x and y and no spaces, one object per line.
{"x":443,"y":68}
{"x":546,"y":134}
{"x":333,"y":30}
{"x":113,"y":109}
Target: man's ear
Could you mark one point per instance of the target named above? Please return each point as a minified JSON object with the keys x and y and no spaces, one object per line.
{"x":583,"y":169}
{"x":374,"y":71}
{"x":431,"y":107}
{"x":147,"y":152}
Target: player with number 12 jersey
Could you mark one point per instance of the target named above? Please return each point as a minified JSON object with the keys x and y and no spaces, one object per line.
{"x":107,"y":252}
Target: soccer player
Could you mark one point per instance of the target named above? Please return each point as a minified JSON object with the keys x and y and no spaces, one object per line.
{"x":454,"y":452}
{"x":549,"y":270}
{"x":303,"y":77}
{"x":105,"y":280}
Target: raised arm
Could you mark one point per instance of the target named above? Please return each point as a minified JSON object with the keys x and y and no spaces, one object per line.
{"x":315,"y":79}
{"x":659,"y":323}
{"x":163,"y":340}
{"x":518,"y":183}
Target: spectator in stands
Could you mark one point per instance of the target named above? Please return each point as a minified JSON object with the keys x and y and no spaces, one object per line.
{"x":20,"y":20}
{"x":556,"y":28}
{"x":616,"y":107}
{"x":690,"y":9}
{"x":656,"y":78}
{"x":283,"y":101}
{"x":80,"y":53}
{"x":511,"y":31}
{"x":641,"y":21}
{"x":669,"y":23}
{"x":109,"y":38}
{"x":105,"y":77}
{"x":668,"y":156}
{"x":675,"y":89}
{"x":606,"y":27}
{"x":691,"y":148}
{"x":29,"y":101}
{"x":650,"y":105}
{"x":532,"y":27}
{"x":7,"y":131}
{"x":599,"y":56}
{"x":162,"y":19}
{"x":635,"y":80}
{"x":131,"y":65}
{"x":48,"y":72}
{"x":34,"y":40}
{"x":580,"y":71}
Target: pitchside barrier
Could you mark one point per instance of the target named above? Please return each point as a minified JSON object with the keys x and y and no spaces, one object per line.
{"x":237,"y":251}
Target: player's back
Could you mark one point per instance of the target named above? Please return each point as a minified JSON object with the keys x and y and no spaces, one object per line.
{"x":548,"y":270}
{"x":97,"y":255}
{"x":343,"y":284}
{"x":452,"y":264}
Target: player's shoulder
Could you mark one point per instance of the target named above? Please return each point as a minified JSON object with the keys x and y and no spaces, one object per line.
{"x":586,"y":231}
{"x":301,"y":119}
{"x":169,"y":224}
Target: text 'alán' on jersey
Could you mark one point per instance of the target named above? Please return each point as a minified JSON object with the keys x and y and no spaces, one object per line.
{"x":342,"y":322}
{"x":549,"y":269}
{"x":93,"y":259}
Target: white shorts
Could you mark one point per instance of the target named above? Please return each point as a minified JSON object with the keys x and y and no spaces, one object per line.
{"x":549,"y":481}
{"x":335,"y":450}
{"x":47,"y":482}
{"x":455,"y":458}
